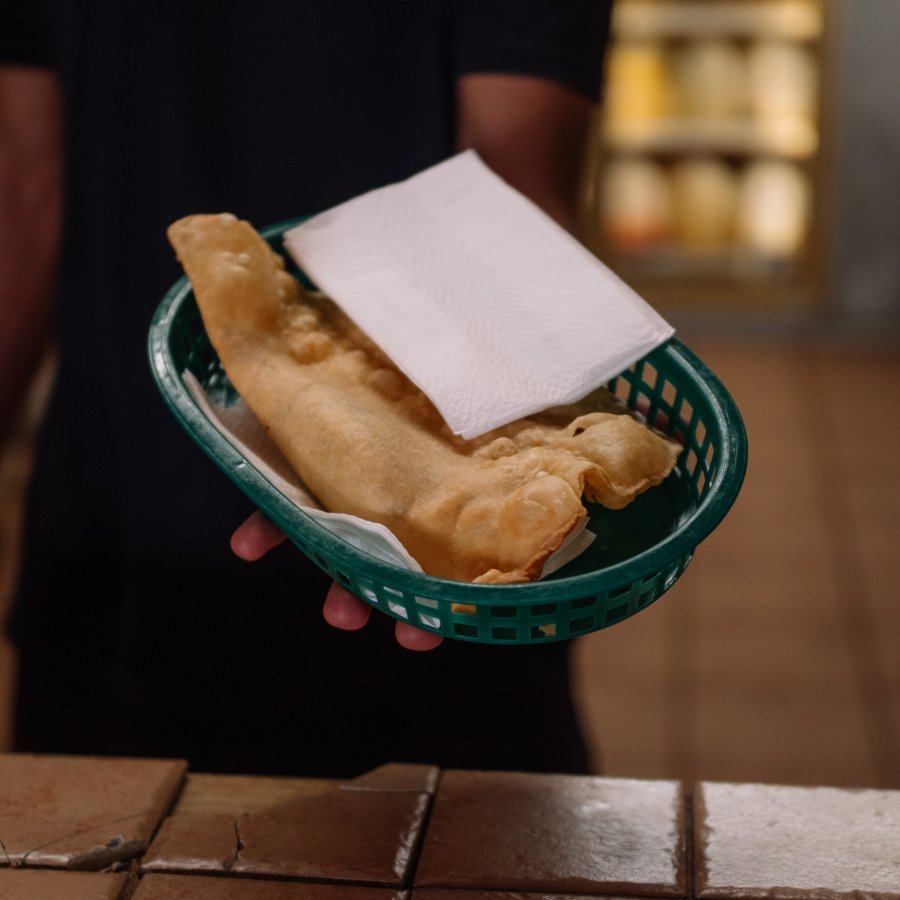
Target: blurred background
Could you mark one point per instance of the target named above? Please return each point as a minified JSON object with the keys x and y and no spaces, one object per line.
{"x":744,"y":177}
{"x":745,"y":160}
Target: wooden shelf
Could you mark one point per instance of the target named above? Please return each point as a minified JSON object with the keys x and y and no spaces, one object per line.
{"x":794,"y":139}
{"x":793,"y":20}
{"x":728,"y":263}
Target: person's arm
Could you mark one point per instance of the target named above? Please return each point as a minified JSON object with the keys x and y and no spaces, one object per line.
{"x":530,"y":131}
{"x":30,"y":189}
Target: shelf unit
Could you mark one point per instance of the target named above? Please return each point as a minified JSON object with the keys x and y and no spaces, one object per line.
{"x":706,"y":185}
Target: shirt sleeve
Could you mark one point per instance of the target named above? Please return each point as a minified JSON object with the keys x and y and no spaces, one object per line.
{"x":562,"y":40}
{"x":23,"y":36}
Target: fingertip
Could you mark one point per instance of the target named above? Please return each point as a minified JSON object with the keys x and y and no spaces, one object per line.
{"x":242,"y":547}
{"x":345,"y":611}
{"x":412,"y":638}
{"x":255,"y":537}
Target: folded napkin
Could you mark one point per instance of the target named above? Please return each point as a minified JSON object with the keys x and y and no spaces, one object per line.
{"x":492,"y":309}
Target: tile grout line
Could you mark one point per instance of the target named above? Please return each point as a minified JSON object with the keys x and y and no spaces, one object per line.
{"x":409,"y":882}
{"x":856,"y":616}
{"x":690,"y":855}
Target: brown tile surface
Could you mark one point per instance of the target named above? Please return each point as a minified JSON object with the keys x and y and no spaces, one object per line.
{"x":81,"y":812}
{"x":554,"y":834}
{"x":187,"y":887}
{"x":194,"y":842}
{"x":790,"y":843}
{"x":42,"y":884}
{"x":304,"y":837}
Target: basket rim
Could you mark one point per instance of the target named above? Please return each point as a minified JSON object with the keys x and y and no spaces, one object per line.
{"x":720,"y":494}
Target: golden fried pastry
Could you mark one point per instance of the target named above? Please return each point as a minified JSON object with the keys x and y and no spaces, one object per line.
{"x":367,"y":442}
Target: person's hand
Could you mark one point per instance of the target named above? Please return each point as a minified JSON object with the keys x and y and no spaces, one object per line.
{"x":346,"y":611}
{"x":257,"y":536}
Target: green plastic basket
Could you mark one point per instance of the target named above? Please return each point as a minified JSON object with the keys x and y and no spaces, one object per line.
{"x":639,"y":553}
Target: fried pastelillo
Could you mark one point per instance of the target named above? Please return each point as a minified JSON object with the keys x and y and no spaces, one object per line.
{"x":366,"y":441}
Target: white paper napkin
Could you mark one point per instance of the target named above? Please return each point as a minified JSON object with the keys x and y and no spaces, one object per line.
{"x":478,"y":296}
{"x":242,"y":429}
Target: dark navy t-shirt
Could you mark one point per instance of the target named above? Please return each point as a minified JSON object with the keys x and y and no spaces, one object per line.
{"x":269,"y":110}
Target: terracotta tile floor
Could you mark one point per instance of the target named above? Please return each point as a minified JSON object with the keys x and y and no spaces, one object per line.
{"x":776,"y":658}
